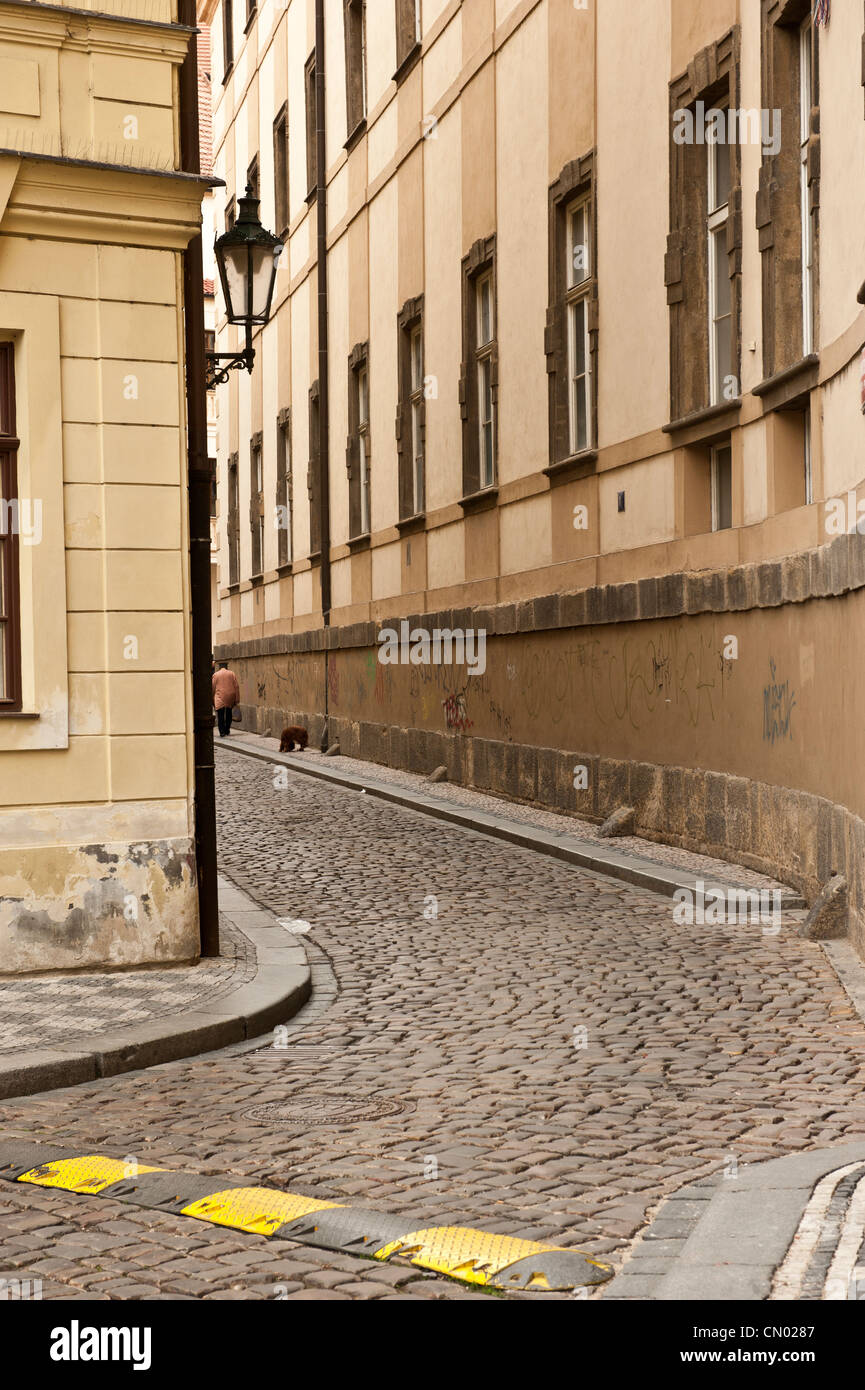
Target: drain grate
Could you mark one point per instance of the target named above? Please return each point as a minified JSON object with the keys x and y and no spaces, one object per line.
{"x":327,"y":1108}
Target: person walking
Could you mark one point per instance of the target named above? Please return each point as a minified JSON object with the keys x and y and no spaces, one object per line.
{"x":226,"y":694}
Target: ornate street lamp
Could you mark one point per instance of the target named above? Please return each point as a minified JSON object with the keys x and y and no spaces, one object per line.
{"x":247,"y":258}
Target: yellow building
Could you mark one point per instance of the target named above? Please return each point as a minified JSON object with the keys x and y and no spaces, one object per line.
{"x":97,"y":853}
{"x":590,"y":386}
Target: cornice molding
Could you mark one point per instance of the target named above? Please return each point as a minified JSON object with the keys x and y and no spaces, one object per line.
{"x":66,"y":202}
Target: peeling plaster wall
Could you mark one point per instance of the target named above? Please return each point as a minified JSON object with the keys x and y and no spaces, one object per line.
{"x":65,"y":907}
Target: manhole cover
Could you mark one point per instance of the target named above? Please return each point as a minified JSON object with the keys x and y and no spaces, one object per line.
{"x":326,"y":1109}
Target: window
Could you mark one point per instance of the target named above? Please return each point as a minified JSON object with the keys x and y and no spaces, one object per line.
{"x":722,"y":487}
{"x":253,"y":178}
{"x":411,"y":410}
{"x":808,"y":462}
{"x":571,"y":330}
{"x":485,"y":331}
{"x":233,"y":521}
{"x":211,"y":463}
{"x":417,"y":420}
{"x":788,"y":195}
{"x":703,"y":264}
{"x":719,"y":296}
{"x":227,"y":37}
{"x":479,"y":377}
{"x":251,"y":7}
{"x":10,"y":620}
{"x":311,"y":132}
{"x":280,"y":171}
{"x":313,"y":476}
{"x":357,"y":458}
{"x":578,"y":279}
{"x":363,"y":436}
{"x":408,"y":31}
{"x":256,"y":502}
{"x":230,"y":214}
{"x":354,"y":19}
{"x":807,"y":216}
{"x":283,"y":487}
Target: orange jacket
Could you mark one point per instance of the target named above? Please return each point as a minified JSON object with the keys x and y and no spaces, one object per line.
{"x":226,"y":691}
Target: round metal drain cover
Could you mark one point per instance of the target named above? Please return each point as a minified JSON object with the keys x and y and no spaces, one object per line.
{"x":326,"y":1108}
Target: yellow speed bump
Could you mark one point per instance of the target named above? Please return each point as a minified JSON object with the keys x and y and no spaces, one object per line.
{"x":475,"y":1256}
{"x":258,"y":1210}
{"x":88,"y":1174}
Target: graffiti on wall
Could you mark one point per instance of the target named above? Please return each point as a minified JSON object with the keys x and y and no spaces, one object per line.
{"x":630,"y":681}
{"x":779,"y":702}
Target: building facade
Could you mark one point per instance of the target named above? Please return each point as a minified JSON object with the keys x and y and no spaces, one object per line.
{"x":590,"y":387}
{"x":97,"y":860}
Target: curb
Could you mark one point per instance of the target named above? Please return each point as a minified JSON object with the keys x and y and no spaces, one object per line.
{"x":281,"y":986}
{"x":500,"y":1262}
{"x":722,"y":1239}
{"x":642,"y":873}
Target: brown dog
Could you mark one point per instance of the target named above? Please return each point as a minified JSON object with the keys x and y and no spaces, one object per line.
{"x":291,"y":736}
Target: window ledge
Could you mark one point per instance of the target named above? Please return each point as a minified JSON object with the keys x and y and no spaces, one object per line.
{"x":407,"y":525}
{"x":480,"y":501}
{"x":233,"y":588}
{"x":354,"y":136}
{"x":226,"y":76}
{"x":285,"y":568}
{"x":792,"y":381}
{"x":19,"y":714}
{"x":709,"y":415}
{"x":408,"y":62}
{"x":311,"y":196}
{"x":575,"y":466}
{"x":249,"y":23}
{"x":256,"y":580}
{"x":356,"y":543}
{"x":314,"y":557}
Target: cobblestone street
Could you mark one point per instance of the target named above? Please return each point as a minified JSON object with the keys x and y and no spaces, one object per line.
{"x":440,"y":1069}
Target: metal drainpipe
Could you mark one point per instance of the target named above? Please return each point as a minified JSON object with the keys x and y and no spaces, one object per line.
{"x":323,"y":356}
{"x":199,"y":518}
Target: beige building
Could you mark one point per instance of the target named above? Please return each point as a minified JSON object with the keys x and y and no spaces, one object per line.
{"x":97,"y":859}
{"x":590,"y":385}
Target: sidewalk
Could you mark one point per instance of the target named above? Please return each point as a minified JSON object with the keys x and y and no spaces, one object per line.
{"x":58,"y":1030}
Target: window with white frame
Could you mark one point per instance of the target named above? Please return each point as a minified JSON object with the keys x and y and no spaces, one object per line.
{"x":485,"y":335}
{"x":805,"y":98}
{"x":722,"y":487}
{"x":362,"y":379}
{"x":417,"y":422}
{"x":719,"y":297}
{"x":283,"y":487}
{"x":578,"y":282}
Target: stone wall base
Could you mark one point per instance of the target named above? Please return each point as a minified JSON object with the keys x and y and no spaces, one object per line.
{"x":68,"y":907}
{"x":790,"y":835}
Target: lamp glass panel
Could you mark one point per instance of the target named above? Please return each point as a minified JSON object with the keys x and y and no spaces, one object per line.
{"x":235,"y":280}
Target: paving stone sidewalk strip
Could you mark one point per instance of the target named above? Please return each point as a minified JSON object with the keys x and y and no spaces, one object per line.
{"x":140,"y":1018}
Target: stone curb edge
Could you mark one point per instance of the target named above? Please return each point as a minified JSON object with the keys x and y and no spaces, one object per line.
{"x":281,"y":986}
{"x":502,"y":1262}
{"x":722,"y":1239}
{"x":641,"y":873}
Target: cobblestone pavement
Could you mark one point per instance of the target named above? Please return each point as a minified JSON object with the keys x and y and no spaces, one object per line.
{"x":700,"y":865}
{"x":452,"y":974}
{"x":37,"y":1011}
